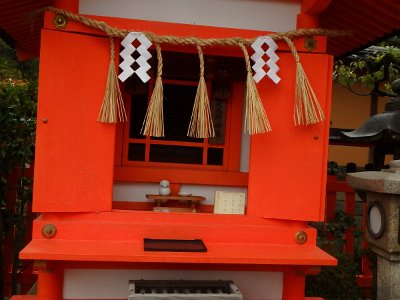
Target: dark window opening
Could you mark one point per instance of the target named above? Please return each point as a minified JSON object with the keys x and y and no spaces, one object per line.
{"x":176,"y":154}
{"x":180,"y":80}
{"x":136,"y":152}
{"x":178,"y":105}
{"x":215,"y":156}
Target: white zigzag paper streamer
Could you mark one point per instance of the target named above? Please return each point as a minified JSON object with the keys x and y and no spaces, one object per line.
{"x":128,"y":60}
{"x":273,"y":58}
{"x":259,"y":62}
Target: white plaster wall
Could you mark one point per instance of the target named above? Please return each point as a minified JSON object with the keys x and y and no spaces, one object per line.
{"x":137,"y":191}
{"x":113,"y":284}
{"x":245,"y":153}
{"x":269,"y":15}
{"x":245,"y":143}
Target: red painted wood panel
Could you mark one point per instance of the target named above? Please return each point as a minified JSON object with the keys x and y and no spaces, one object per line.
{"x":288,"y":165}
{"x":74,"y":152}
{"x":117,"y":236}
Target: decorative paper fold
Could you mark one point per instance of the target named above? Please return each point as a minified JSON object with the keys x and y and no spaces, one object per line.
{"x":259,"y":62}
{"x":128,"y":60}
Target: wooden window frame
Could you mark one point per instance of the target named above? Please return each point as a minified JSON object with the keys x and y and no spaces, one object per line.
{"x":148,"y":141}
{"x":228,"y":174}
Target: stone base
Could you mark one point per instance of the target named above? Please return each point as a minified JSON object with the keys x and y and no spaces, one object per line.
{"x":388,"y":279}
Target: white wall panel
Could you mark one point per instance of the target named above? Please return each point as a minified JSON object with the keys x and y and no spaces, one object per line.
{"x":113,"y":284}
{"x":248,"y":14}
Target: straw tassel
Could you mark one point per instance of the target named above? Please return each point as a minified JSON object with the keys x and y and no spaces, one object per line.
{"x":153,"y":124}
{"x":112,"y":109}
{"x":256,"y":120}
{"x":201,"y":125}
{"x":307,"y":109}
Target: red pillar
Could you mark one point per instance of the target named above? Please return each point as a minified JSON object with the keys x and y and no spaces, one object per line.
{"x":50,"y":283}
{"x":309,"y":14}
{"x":293,"y":285}
{"x":70,"y":5}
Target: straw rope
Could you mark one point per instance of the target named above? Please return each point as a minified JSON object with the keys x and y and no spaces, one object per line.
{"x":175,"y":40}
{"x":307,"y":109}
{"x":112,"y":109}
{"x":256,"y":120}
{"x":201,"y":125}
{"x":153,"y":124}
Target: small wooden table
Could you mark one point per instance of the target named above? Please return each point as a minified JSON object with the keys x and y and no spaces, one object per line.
{"x":191,"y":200}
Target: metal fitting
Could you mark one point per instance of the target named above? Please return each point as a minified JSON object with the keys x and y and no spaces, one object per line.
{"x":300,"y":237}
{"x":60,"y":21}
{"x":49,"y":231}
{"x":310,"y":43}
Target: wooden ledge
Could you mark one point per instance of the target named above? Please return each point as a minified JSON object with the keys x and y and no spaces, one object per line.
{"x":217,"y":253}
{"x":118,"y":236}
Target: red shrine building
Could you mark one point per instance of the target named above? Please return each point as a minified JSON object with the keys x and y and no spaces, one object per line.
{"x":236,"y":206}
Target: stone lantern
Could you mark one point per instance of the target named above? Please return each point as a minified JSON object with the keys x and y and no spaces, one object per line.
{"x":381,"y":191}
{"x":381,"y":131}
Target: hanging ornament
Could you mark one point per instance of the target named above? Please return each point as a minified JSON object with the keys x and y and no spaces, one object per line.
{"x":259,"y":62}
{"x":153,"y":124}
{"x":256,"y":120}
{"x":201,"y":125}
{"x":307,"y":109}
{"x":128,"y":60}
{"x":112,"y":109}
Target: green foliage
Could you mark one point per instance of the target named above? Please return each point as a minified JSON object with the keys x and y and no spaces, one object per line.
{"x":337,"y":282}
{"x":375,"y":69}
{"x":18,"y":98}
{"x":17,"y":123}
{"x":11,"y":68}
{"x":17,"y":138}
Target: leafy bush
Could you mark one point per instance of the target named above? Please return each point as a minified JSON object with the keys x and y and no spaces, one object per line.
{"x":17,"y":123}
{"x":338,"y":282}
{"x":18,"y":98}
{"x":371,"y":68}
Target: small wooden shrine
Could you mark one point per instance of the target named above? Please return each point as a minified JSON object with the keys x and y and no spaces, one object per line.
{"x":235,"y":117}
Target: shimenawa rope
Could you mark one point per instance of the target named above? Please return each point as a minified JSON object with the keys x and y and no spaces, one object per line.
{"x":307,"y":108}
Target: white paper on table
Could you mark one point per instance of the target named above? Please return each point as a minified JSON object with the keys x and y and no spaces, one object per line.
{"x":229,"y":203}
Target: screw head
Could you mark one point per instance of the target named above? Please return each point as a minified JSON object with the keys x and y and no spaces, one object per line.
{"x":45,"y":120}
{"x":300,"y":237}
{"x":60,"y":21}
{"x":49,"y":231}
{"x":310,"y":43}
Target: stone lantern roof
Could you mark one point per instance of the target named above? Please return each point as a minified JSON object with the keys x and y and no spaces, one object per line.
{"x":382,"y":131}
